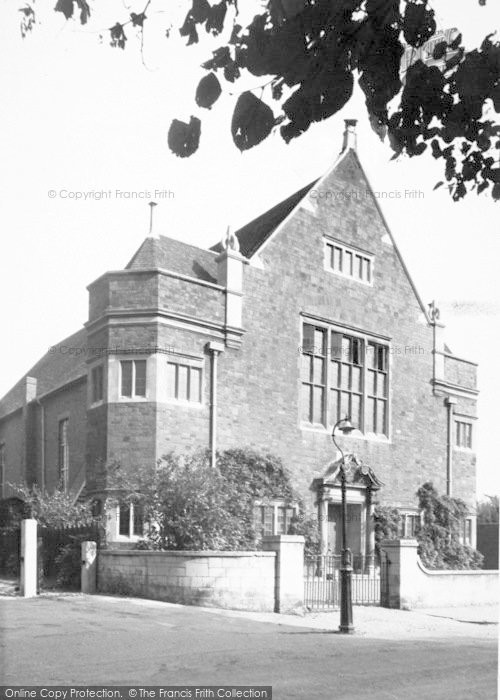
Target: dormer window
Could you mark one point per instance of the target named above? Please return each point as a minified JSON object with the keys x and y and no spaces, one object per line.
{"x":348,"y":262}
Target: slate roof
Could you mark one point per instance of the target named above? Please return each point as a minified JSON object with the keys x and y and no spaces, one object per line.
{"x":256,"y":232}
{"x":53,"y":370}
{"x":175,"y":256}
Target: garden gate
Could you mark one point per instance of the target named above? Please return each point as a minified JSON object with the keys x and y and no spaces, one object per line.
{"x":322,"y":581}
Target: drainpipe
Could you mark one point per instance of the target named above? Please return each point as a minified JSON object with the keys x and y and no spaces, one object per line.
{"x":42,"y":445}
{"x":449,"y":403}
{"x":214,"y":349}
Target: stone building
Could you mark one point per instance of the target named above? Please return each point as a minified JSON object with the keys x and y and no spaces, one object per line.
{"x":304,"y":315}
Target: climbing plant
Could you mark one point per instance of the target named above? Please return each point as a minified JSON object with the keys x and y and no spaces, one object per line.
{"x":439,"y":536}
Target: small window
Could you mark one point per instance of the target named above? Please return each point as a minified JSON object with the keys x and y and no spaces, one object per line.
{"x":97,"y":383}
{"x":184,"y":382}
{"x":2,"y":469}
{"x":63,"y":453}
{"x":409,"y":525}
{"x":348,"y":262}
{"x":124,"y":520}
{"x":133,"y":378}
{"x":272,"y":518}
{"x":468,"y":531}
{"x":463,"y":434}
{"x":130,"y":520}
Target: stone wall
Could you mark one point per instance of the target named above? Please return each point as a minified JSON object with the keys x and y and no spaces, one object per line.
{"x":237,"y":580}
{"x":411,"y":585}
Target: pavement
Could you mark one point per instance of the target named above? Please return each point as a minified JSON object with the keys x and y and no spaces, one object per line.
{"x":63,"y":638}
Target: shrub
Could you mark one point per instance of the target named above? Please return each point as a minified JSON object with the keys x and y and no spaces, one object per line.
{"x":439,"y":536}
{"x":387,"y":521}
{"x":68,"y":563}
{"x":308,"y":528}
{"x":191,"y":505}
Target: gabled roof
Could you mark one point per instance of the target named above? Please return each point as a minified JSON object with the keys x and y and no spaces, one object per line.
{"x":63,"y":364}
{"x":175,"y":256}
{"x":256,"y":232}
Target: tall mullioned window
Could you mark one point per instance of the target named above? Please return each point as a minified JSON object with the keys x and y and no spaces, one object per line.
{"x":63,"y":453}
{"x":2,"y":470}
{"x":133,"y":378}
{"x":97,"y":383}
{"x":130,"y":519}
{"x":272,"y":518}
{"x":184,"y":382}
{"x":463,"y":434}
{"x":341,"y":375}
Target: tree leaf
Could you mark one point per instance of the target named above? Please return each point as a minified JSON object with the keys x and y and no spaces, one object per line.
{"x":208,"y":91}
{"x":438,"y":185}
{"x":216,"y":17}
{"x":252,"y":121}
{"x":66,"y":7}
{"x":137,"y":20}
{"x":419,"y":24}
{"x":118,"y":37}
{"x":440,"y":50}
{"x":84,"y":10}
{"x":189,"y":29}
{"x":184,"y":139}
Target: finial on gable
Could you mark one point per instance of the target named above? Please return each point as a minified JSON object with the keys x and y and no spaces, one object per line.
{"x":434,"y":312}
{"x":350,"y":136}
{"x":230,"y":241}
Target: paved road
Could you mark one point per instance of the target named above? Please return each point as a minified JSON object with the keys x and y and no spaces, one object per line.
{"x":96,"y":640}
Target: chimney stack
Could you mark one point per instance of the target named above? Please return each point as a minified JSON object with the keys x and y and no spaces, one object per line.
{"x":152,"y":233}
{"x":350,"y":136}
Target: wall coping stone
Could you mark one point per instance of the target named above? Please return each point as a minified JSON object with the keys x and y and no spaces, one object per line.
{"x":184,"y":553}
{"x":454,"y":572}
{"x":399,"y":543}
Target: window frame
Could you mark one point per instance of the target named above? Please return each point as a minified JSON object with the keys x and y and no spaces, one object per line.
{"x":366,"y":339}
{"x":466,"y":531}
{"x":407,"y":515}
{"x":63,"y":453}
{"x":2,"y":469}
{"x":131,"y":535}
{"x":192,"y":364}
{"x":96,"y":368}
{"x":275,"y":504}
{"x":460,"y":423}
{"x":134,"y":396}
{"x":344,"y":250}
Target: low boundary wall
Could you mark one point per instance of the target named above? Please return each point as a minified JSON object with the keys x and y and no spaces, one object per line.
{"x":237,"y":580}
{"x":411,"y":585}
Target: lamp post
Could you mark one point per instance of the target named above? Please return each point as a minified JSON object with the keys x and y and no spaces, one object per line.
{"x":346,"y":626}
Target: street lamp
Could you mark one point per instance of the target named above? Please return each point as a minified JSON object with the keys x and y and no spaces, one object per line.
{"x":346,"y":626}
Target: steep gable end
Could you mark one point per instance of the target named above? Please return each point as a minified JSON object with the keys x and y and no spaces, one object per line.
{"x":343,"y":205}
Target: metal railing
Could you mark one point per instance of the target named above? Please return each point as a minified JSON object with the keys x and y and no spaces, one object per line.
{"x":322,"y":581}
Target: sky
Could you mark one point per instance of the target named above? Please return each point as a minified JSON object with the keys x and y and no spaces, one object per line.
{"x":80,"y":118}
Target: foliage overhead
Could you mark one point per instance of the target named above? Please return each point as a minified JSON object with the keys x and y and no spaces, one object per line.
{"x":439,"y":535}
{"x":309,"y":52}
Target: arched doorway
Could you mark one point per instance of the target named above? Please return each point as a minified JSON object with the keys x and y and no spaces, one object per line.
{"x":362,"y":483}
